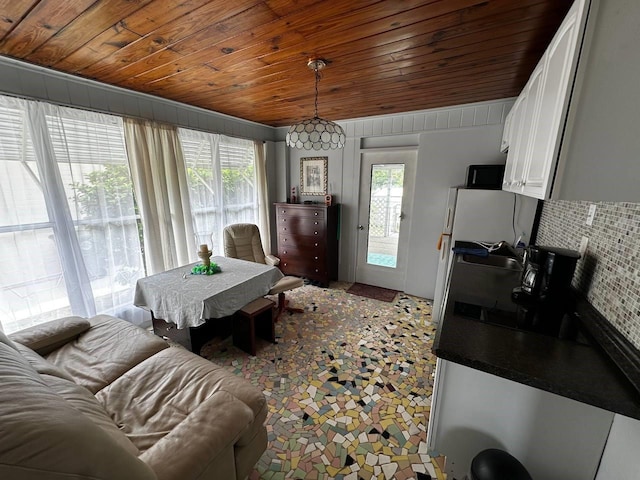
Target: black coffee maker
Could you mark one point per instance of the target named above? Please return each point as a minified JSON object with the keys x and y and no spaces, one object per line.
{"x":544,"y":297}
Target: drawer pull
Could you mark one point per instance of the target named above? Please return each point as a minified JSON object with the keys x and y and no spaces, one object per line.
{"x":315,"y":233}
{"x":284,"y":252}
{"x":315,"y":258}
{"x":316,"y":214}
{"x":315,"y":223}
{"x":316,"y":245}
{"x":317,"y":270}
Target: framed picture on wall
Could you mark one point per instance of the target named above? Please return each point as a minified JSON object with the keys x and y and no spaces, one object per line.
{"x":313,"y":176}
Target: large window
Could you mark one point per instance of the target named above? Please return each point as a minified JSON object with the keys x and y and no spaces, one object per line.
{"x":70,"y":232}
{"x":222,"y":183}
{"x":69,"y":236}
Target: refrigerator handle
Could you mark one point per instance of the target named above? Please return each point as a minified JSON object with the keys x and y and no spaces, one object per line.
{"x":448,"y":222}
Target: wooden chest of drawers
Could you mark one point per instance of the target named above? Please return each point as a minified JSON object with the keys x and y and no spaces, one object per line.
{"x":308,"y":241}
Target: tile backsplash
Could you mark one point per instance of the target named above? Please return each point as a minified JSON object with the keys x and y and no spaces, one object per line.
{"x":609,"y":273}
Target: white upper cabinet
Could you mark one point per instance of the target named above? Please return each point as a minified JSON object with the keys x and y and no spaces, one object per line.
{"x":529,"y":126}
{"x":537,"y":125}
{"x":506,"y":133}
{"x":559,"y":72}
{"x":515,"y":119}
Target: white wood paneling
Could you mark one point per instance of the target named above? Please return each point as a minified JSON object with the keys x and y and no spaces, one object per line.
{"x":430,"y":122}
{"x":455,"y":119}
{"x":58,"y":90}
{"x":481,"y":115}
{"x":476,"y":114}
{"x":442,"y":120}
{"x":32,"y":85}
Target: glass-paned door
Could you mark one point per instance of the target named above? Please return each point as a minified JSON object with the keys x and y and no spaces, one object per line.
{"x":385,"y":214}
{"x":386,"y":190}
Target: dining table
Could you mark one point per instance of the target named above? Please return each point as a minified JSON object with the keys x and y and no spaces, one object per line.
{"x":183,"y":304}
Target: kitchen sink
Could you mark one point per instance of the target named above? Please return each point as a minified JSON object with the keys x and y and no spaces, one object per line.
{"x":485,"y":281}
{"x":498,"y":261}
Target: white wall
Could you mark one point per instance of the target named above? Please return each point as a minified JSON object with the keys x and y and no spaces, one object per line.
{"x":603,"y":141}
{"x":448,"y":140}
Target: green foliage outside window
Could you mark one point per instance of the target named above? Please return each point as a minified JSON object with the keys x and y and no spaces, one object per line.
{"x":383,"y":178}
{"x":109,"y":189}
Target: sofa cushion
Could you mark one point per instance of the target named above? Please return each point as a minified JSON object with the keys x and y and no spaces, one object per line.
{"x":6,"y":341}
{"x":42,"y":436}
{"x":205,"y":441}
{"x":82,"y":400}
{"x":105,"y":351}
{"x":41,"y":365}
{"x":46,"y":337}
{"x":158,"y":394}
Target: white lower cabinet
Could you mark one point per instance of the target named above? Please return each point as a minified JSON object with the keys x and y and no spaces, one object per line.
{"x":620,"y":460}
{"x":554,"y":437}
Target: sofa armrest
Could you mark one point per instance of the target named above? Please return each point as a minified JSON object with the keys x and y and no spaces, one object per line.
{"x":272,"y":260}
{"x":202,"y":446}
{"x":49,"y":336}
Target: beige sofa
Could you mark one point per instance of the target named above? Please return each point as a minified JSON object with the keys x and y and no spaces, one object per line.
{"x":103,"y":399}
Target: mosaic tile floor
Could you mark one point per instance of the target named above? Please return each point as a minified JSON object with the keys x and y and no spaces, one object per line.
{"x":348,"y":386}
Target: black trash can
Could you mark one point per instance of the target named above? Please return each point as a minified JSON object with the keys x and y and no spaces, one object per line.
{"x":494,"y":464}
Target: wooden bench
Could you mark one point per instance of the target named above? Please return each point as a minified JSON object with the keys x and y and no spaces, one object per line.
{"x":255,"y":318}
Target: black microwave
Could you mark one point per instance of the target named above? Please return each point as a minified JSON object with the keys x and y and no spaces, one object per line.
{"x":488,"y":177}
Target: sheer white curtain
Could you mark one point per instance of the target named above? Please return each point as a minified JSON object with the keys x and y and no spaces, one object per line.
{"x":43,"y":120}
{"x":69,"y":237}
{"x":159,"y":177}
{"x":221,"y":173}
{"x":263,"y":198}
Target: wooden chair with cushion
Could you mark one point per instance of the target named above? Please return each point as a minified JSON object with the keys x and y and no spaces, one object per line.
{"x":242,"y":241}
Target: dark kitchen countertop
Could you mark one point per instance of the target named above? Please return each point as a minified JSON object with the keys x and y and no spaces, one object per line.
{"x":582,"y":371}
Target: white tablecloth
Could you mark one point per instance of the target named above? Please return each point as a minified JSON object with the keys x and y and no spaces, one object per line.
{"x":189,"y":300}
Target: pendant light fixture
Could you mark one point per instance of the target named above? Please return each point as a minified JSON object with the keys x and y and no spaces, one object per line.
{"x":316,"y":133}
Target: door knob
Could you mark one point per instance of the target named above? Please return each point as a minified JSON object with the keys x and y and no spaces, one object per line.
{"x":360,"y":227}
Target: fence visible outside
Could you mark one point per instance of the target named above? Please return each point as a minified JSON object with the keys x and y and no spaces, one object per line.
{"x":385,"y":208}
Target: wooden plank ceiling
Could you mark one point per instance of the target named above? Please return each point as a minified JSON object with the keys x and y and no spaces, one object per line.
{"x":248,"y":58}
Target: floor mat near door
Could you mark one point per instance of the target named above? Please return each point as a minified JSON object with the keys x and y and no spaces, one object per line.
{"x":369,"y":291}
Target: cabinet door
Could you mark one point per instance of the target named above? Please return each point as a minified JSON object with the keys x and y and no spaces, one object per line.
{"x":559,"y":71}
{"x":506,"y":132}
{"x":514,"y":169}
{"x":554,"y":437}
{"x":531,"y":106}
